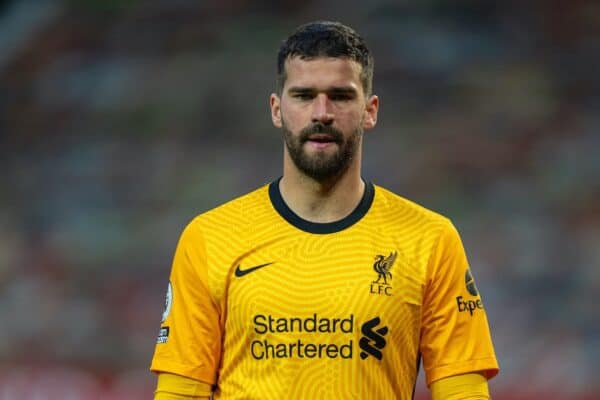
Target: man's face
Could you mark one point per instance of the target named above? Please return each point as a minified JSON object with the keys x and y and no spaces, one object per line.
{"x":323,"y":113}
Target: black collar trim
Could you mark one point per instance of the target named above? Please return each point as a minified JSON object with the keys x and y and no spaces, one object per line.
{"x":316,"y":227}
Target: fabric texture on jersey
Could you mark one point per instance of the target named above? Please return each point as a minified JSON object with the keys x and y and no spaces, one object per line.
{"x":267,"y":305}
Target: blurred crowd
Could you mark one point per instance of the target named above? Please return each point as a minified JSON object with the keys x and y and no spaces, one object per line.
{"x":122,"y":120}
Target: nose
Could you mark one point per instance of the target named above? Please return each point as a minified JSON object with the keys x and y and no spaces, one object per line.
{"x":321,"y":110}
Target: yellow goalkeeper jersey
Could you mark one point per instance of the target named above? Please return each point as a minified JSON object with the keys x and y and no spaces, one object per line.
{"x":266,"y":305}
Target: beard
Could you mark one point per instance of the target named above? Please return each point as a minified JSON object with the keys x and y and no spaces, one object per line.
{"x":322,"y":166}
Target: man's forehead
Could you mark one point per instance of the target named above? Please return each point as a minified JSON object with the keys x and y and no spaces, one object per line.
{"x":329,"y":62}
{"x":342,"y":70}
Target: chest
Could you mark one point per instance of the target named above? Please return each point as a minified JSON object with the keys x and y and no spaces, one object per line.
{"x":332,"y":278}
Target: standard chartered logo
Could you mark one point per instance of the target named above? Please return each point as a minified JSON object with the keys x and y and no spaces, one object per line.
{"x":277,"y":337}
{"x":268,"y":349}
{"x":373,"y":341}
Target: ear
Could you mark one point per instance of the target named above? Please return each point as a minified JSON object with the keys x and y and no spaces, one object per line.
{"x":370,"y":116}
{"x":275,"y":103}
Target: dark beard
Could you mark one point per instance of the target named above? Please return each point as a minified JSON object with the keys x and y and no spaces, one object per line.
{"x":321,"y":167}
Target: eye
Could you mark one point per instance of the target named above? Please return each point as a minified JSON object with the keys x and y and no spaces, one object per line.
{"x":340,"y":97}
{"x":303,"y":96}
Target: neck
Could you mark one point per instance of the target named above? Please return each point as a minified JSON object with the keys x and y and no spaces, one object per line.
{"x":322,"y":202}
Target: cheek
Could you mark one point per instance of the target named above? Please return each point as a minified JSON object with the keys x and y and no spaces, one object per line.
{"x":350,"y":118}
{"x":294,"y":119}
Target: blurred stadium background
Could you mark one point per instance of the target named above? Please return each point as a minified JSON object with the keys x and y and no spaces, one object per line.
{"x":121,"y":120}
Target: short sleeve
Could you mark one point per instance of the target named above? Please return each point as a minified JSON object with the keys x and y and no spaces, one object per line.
{"x":189,"y":340}
{"x":455,"y":336}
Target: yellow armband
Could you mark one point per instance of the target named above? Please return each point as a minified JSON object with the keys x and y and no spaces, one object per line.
{"x":177,"y":387}
{"x":461,"y":387}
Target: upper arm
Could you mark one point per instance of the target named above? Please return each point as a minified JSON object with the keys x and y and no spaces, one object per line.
{"x":190,"y":344}
{"x":455,"y":337}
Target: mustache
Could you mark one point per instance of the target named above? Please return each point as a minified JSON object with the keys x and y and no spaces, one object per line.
{"x":318,"y":127}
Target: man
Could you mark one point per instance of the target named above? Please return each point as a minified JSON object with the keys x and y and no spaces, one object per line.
{"x":322,"y":285}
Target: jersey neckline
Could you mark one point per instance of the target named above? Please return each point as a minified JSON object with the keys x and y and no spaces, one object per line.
{"x":321,"y":227}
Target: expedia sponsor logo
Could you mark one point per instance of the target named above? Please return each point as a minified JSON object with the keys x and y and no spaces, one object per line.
{"x":470,"y":282}
{"x":468,"y":305}
{"x":373,"y":340}
{"x":276,"y":337}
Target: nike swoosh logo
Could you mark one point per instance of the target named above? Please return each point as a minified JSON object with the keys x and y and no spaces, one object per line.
{"x":241,"y":272}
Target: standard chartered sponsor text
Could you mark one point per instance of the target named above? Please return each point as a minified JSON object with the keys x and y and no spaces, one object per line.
{"x":313,"y":324}
{"x":278,"y":344}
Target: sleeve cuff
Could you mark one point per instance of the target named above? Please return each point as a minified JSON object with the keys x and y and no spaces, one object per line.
{"x":183,"y":370}
{"x":487,"y":366}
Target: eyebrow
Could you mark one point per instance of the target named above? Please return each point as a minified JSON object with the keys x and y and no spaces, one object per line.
{"x":348,"y":90}
{"x":299,"y":89}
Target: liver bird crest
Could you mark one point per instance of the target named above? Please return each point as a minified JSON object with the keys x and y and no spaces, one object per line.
{"x":383,"y":265}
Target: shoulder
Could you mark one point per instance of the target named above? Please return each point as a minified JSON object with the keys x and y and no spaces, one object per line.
{"x":427,"y":237}
{"x":237,"y":212}
{"x":393,"y":207}
{"x":227,"y":228}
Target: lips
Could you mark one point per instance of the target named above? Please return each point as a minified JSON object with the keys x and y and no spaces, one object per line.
{"x":320,"y":134}
{"x":321,"y":138}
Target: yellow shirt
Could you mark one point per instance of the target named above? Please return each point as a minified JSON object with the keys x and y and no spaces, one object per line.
{"x":264,"y":304}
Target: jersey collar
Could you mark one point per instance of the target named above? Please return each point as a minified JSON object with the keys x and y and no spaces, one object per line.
{"x":316,"y":227}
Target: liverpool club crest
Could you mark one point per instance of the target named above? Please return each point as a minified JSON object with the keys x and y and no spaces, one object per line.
{"x":382,"y":267}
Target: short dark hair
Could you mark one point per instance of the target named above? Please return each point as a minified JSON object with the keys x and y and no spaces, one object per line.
{"x":326,"y":39}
